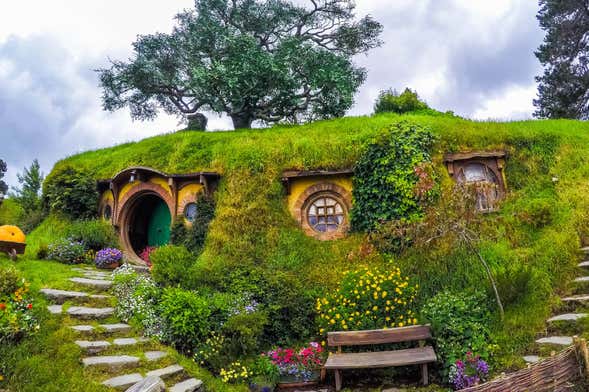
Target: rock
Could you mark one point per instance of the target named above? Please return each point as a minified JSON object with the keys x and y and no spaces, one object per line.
{"x":567,"y":317}
{"x":95,"y":283}
{"x":585,"y":249}
{"x":557,"y":340}
{"x":155,"y":355}
{"x":93,"y":347}
{"x":584,"y":264}
{"x":123,"y":382}
{"x":55,"y":309}
{"x":112,"y":328}
{"x":60,"y":296}
{"x":530,"y":359}
{"x":166,"y":372}
{"x":580,"y":298}
{"x":148,"y":384}
{"x":83,"y":328}
{"x":582,"y":279}
{"x":111,"y":361}
{"x":85,"y":313}
{"x":190,"y":385}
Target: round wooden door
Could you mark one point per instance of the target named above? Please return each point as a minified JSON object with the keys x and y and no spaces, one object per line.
{"x":158,"y":228}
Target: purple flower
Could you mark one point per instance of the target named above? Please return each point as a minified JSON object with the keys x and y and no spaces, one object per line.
{"x":108,"y":256}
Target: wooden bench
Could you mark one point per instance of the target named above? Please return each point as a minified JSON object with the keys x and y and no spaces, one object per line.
{"x":421,"y":355}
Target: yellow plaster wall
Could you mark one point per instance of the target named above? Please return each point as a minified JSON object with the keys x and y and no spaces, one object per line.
{"x":299,"y":186}
{"x":191,"y":189}
{"x":126,"y":188}
{"x":106,"y":197}
{"x":161,"y":182}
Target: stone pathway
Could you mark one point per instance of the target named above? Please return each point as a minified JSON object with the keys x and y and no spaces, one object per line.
{"x":566,"y":321}
{"x":121,"y":351}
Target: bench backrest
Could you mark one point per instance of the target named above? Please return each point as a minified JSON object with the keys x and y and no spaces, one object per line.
{"x":378,"y":336}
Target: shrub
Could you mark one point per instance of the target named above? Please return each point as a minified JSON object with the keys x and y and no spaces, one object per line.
{"x":71,"y":191}
{"x":16,"y":317}
{"x":368,"y":299}
{"x":67,"y":251}
{"x":10,"y":280}
{"x":186,"y":314}
{"x":460,"y":324}
{"x":193,"y":237}
{"x":235,"y":373}
{"x":393,"y":176}
{"x":170,"y":264}
{"x":138,"y":297}
{"x":106,"y":257}
{"x":391,"y":101}
{"x":244,"y":332}
{"x":211,"y":354}
{"x":94,"y":234}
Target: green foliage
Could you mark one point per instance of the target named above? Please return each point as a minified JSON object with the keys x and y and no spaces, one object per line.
{"x":248,"y":60}
{"x":186,"y":314}
{"x":67,"y":251}
{"x":29,"y":193}
{"x":3,"y":186}
{"x":391,"y":101}
{"x":392,"y":176}
{"x":10,"y":213}
{"x":71,"y":191}
{"x":244,"y":332}
{"x":562,"y":88}
{"x":193,"y":237}
{"x":95,"y":234}
{"x":171,"y":265}
{"x":368,"y":299}
{"x":9,"y":280}
{"x":460,"y":323}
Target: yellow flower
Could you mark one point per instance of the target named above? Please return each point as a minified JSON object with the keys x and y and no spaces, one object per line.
{"x":332,"y":321}
{"x":375,"y":308}
{"x":401,"y":324}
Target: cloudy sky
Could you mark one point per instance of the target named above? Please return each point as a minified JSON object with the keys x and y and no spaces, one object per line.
{"x":474,"y":57}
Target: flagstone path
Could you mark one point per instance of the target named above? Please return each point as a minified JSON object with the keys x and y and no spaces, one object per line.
{"x":111,"y":351}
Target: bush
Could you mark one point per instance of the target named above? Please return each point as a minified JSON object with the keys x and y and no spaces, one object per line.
{"x":391,"y":101}
{"x":244,"y":332}
{"x":186,"y":314}
{"x":393,"y":176}
{"x":71,"y":191}
{"x":193,"y":236}
{"x":9,"y":280}
{"x":67,"y":251}
{"x":460,"y":324}
{"x":170,"y":265}
{"x":94,"y":234}
{"x":368,"y":299}
{"x":138,"y":297}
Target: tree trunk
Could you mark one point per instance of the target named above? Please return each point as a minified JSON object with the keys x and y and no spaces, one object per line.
{"x":242,"y":120}
{"x":197,"y":122}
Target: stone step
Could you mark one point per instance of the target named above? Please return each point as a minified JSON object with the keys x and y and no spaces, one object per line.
{"x":112,"y":362}
{"x":585,"y":249}
{"x":166,"y":372}
{"x":60,"y":296}
{"x":584,"y":264}
{"x":582,"y":279}
{"x":556,"y":340}
{"x":124,"y":381}
{"x":100,"y":284}
{"x":85,"y":313}
{"x":148,"y":384}
{"x":531,"y":358}
{"x":93,"y":347}
{"x":129,"y":341}
{"x":108,"y":328}
{"x":152,"y":356}
{"x":576,"y":298}
{"x":190,"y":385}
{"x":567,"y":317}
{"x":55,"y":309}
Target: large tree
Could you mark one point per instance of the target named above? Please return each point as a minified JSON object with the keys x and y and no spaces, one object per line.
{"x":3,"y":186}
{"x":28,"y":195}
{"x":563,"y":90}
{"x":268,"y":60}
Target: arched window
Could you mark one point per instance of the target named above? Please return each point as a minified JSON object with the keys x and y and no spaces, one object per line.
{"x":190,"y":212}
{"x":485,"y":184}
{"x":107,"y":212}
{"x":326,"y":213}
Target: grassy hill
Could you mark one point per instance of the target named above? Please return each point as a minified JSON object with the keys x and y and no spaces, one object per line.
{"x":532,"y":246}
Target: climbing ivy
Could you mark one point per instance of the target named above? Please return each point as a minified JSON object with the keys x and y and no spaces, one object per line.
{"x":393,"y":176}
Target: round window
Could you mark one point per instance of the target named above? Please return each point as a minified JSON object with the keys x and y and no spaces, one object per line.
{"x":107,"y":212}
{"x":326,"y":214}
{"x":190,"y":212}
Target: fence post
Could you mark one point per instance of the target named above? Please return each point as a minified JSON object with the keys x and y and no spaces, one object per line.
{"x":581,"y":345}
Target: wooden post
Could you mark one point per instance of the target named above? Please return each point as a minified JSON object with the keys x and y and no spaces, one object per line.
{"x":424,"y":375}
{"x":581,"y":345}
{"x":338,"y":380}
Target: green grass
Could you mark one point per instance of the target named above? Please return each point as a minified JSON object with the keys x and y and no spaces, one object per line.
{"x":540,"y":225}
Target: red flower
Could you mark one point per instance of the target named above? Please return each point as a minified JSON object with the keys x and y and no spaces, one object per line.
{"x":2,"y":306}
{"x":30,"y":306}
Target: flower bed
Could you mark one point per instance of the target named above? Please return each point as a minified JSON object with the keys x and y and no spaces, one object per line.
{"x":298,"y":365}
{"x":108,"y":258}
{"x":16,"y":311}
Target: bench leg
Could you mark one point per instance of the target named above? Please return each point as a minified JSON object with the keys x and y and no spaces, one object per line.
{"x":338,"y":380}
{"x":424,"y":376}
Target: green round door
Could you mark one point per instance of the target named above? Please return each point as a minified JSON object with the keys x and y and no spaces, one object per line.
{"x":158,"y":228}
